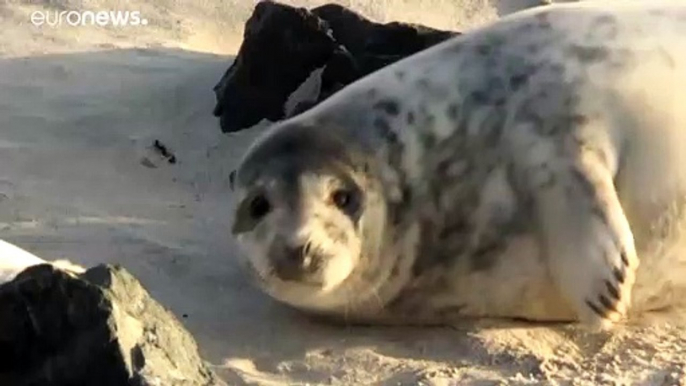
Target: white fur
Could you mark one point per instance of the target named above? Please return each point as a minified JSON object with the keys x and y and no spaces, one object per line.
{"x":633,"y":120}
{"x":310,"y":229}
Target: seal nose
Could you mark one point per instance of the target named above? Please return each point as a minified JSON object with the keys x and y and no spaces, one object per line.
{"x":291,"y":264}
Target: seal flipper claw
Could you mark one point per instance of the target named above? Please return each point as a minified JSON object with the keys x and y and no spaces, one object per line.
{"x":591,"y":249}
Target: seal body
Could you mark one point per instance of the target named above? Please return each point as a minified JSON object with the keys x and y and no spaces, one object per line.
{"x":520,"y":170}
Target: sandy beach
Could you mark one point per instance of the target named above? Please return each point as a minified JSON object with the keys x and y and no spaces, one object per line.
{"x":80,"y":107}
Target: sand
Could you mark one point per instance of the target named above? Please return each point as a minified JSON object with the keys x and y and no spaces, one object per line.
{"x":79,"y":109}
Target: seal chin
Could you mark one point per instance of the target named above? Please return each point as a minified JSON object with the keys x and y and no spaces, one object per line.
{"x":334,"y":293}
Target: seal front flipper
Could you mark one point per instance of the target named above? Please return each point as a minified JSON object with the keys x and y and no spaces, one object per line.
{"x":586,"y":236}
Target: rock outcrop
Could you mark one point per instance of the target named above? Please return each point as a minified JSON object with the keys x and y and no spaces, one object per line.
{"x":98,"y":328}
{"x":283,"y":46}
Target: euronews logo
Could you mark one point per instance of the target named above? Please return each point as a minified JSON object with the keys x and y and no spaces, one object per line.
{"x":86,"y":18}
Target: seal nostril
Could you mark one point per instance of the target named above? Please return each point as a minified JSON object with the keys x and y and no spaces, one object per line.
{"x":296,"y":255}
{"x":290,"y":263}
{"x":307,"y":248}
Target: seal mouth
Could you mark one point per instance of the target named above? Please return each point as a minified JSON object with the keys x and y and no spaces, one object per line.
{"x":311,"y":283}
{"x":299,"y":264}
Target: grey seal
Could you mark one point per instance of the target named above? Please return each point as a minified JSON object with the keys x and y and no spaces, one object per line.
{"x":519,"y":171}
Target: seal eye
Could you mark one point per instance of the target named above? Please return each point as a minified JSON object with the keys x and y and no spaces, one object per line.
{"x":259,"y":207}
{"x":342,"y":198}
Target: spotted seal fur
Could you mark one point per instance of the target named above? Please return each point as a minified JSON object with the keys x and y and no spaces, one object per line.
{"x":517,"y":171}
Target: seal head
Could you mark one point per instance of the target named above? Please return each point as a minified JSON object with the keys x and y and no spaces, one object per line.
{"x":310,"y":217}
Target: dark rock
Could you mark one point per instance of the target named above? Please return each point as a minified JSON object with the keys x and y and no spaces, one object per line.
{"x":283,"y":45}
{"x":99,"y":328}
{"x":362,"y":36}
